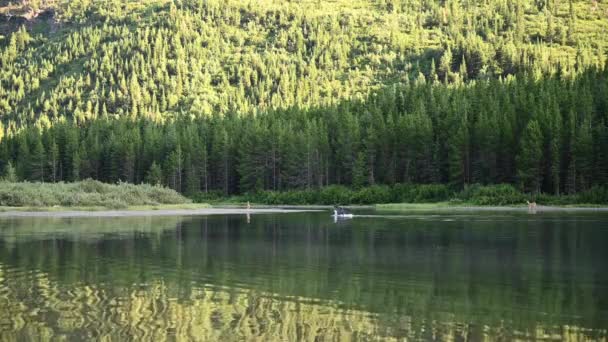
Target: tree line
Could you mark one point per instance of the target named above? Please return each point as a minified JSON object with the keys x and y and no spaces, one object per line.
{"x":543,"y":135}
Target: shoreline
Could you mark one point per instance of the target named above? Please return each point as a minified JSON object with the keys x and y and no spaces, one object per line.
{"x":203,"y":210}
{"x":442,"y":207}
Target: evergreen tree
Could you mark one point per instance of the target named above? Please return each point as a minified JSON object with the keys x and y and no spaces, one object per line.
{"x":53,"y":161}
{"x":37,"y":162}
{"x":445,"y":65}
{"x":529,"y":158}
{"x":10,"y":173}
{"x":359,"y":172}
{"x":23,"y":157}
{"x":154,"y":175}
{"x":75,"y":167}
{"x":416,"y":132}
{"x":174,"y":169}
{"x":571,"y":20}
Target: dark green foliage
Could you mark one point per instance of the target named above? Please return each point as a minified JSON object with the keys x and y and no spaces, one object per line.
{"x":335,"y":195}
{"x":595,"y":195}
{"x":373,"y":194}
{"x":37,"y":162}
{"x":10,"y":174}
{"x":540,"y":135}
{"x":222,"y":96}
{"x":476,"y":194}
{"x":502,"y":194}
{"x":529,"y":158}
{"x":414,"y":193}
{"x":154,"y":175}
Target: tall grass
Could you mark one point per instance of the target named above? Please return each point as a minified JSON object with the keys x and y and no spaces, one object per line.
{"x":88,"y":193}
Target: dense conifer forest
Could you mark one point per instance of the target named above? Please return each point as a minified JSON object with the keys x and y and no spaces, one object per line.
{"x":236,"y":97}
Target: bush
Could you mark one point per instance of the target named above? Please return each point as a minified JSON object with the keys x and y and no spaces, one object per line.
{"x":476,"y":194}
{"x":595,"y":195}
{"x":500,"y":194}
{"x":293,"y":197}
{"x":86,"y":193}
{"x":296,"y":197}
{"x":210,"y":196}
{"x":90,"y":186}
{"x":420,"y":193}
{"x":372,"y":195}
{"x":335,"y":194}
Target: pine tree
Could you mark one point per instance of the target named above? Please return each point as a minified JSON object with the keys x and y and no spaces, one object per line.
{"x":53,"y":161}
{"x":520,"y":28}
{"x":201,"y":164}
{"x":75,"y":167}
{"x":571,"y":20}
{"x":175,"y":168}
{"x":23,"y":157}
{"x":359,"y":172}
{"x":84,"y":169}
{"x":220,"y":155}
{"x":445,"y":64}
{"x":10,"y":173}
{"x":460,"y":155}
{"x":252,"y":159}
{"x":128,"y":163}
{"x":569,"y":137}
{"x":37,"y":162}
{"x":154,"y":175}
{"x":529,"y":158}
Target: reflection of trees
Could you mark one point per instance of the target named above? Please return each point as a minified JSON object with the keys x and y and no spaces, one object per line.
{"x":25,"y":229}
{"x":300,"y":274}
{"x":46,"y":310}
{"x":149,"y":313}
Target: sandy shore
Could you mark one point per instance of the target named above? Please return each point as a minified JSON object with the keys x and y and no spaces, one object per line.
{"x":158,"y":212}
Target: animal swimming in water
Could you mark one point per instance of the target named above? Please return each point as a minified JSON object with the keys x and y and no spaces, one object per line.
{"x":341,"y":212}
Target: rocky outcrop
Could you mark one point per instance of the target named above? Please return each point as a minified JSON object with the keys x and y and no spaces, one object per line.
{"x":12,"y":17}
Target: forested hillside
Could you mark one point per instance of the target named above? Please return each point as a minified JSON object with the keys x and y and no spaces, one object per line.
{"x":239,"y":96}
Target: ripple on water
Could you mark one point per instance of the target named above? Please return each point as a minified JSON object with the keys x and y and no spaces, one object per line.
{"x":390,"y":277}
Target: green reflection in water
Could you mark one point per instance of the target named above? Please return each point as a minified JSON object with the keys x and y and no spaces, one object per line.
{"x":302,"y":276}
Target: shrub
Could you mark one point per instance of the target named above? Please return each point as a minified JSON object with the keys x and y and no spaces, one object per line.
{"x":202,"y":197}
{"x":335,"y":194}
{"x":500,"y":194}
{"x":476,"y":194}
{"x":595,"y":195}
{"x":86,"y":193}
{"x":420,"y":193}
{"x":90,"y":186}
{"x":372,"y":195}
{"x":296,"y":197}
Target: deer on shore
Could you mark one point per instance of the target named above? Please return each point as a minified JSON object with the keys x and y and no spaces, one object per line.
{"x":531,"y":205}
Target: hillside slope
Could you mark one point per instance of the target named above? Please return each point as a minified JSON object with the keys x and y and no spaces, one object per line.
{"x":354,"y":93}
{"x":158,"y":58}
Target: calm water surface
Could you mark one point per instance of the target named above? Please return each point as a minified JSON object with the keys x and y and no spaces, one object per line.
{"x":302,"y":276}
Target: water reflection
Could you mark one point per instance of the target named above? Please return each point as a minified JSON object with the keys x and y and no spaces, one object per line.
{"x":301,"y":276}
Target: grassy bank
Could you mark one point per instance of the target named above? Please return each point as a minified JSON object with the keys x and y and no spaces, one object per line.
{"x":155,"y":207}
{"x":87,"y":195}
{"x":93,"y":195}
{"x":451,"y":206}
{"x":437,"y":194}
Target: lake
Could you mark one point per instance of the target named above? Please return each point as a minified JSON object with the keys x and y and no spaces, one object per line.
{"x":301,"y":276}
